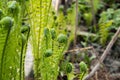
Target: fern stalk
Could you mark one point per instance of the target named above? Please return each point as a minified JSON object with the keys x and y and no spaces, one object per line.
{"x":3,"y":53}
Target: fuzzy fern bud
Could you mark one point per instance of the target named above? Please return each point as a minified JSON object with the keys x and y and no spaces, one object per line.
{"x":7,"y":22}
{"x":83,"y":67}
{"x":53,"y":33}
{"x":68,"y":67}
{"x":24,"y":28}
{"x":88,"y":18}
{"x":46,"y":32}
{"x":62,"y":38}
{"x":13,"y":7}
{"x":48,"y":53}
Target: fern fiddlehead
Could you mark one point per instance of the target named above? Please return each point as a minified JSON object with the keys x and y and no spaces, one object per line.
{"x":10,"y":39}
{"x":7,"y":23}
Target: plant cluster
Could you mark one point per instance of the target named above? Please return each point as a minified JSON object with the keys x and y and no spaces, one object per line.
{"x":34,"y":22}
{"x":49,"y":38}
{"x":13,"y":41}
{"x":109,"y":21}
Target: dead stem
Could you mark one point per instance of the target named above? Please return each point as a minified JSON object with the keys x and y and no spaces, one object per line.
{"x":79,"y":49}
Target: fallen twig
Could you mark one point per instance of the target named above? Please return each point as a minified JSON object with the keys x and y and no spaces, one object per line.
{"x":96,"y":76}
{"x":76,"y":24}
{"x":104,"y":54}
{"x":79,"y":49}
{"x":87,"y":34}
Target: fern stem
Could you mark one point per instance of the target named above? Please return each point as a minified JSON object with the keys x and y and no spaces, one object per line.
{"x":21,"y":57}
{"x":64,"y":48}
{"x":21,"y":61}
{"x":37,"y":64}
{"x":3,"y":53}
{"x":46,"y":42}
{"x":52,"y":45}
{"x":48,"y":12}
{"x":82,"y":75}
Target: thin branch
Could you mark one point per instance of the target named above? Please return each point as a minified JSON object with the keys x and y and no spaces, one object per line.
{"x":79,"y":49}
{"x":76,"y":24}
{"x":96,"y":76}
{"x":84,"y":33}
{"x":104,"y":54}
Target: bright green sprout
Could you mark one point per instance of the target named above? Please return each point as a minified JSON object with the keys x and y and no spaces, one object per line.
{"x":24,"y":29}
{"x":48,"y":53}
{"x":7,"y":22}
{"x":62,"y":38}
{"x":46,"y":32}
{"x":13,"y":7}
{"x":69,"y":67}
{"x":66,"y":67}
{"x":83,"y":67}
{"x":53,"y":33}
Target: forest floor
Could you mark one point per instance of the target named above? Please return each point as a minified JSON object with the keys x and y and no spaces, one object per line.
{"x":109,"y":69}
